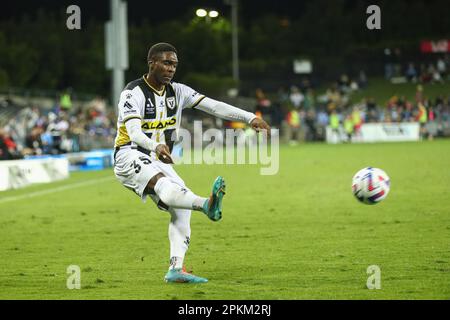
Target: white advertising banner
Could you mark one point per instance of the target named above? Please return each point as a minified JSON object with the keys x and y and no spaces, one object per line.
{"x":20,"y":173}
{"x":378,"y":132}
{"x":374,"y":132}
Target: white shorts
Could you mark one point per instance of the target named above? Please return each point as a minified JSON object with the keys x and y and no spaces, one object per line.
{"x":134,"y":170}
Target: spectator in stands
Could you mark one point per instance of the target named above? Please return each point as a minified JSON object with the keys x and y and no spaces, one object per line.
{"x":65,"y":101}
{"x":334,"y":124}
{"x":263,"y":104}
{"x":98,"y":104}
{"x":431,"y":126}
{"x":370,"y":104}
{"x":344,"y":84}
{"x":33,"y":142}
{"x":362,"y":80}
{"x":395,"y":113}
{"x":371,"y":107}
{"x":62,"y":126}
{"x":354,"y":86}
{"x":392,"y":102}
{"x":407,"y":112}
{"x":422,"y":118}
{"x":8,"y":147}
{"x":4,"y":151}
{"x":334,"y":96}
{"x":357,"y":119}
{"x":293,"y":122}
{"x":310,"y":122}
{"x":441,"y":67}
{"x":47,"y":142}
{"x":309,"y":101}
{"x":349,"y":127}
{"x":322,"y":123}
{"x":296,"y":97}
{"x":280,"y":107}
{"x":411,"y":73}
{"x":436,"y":77}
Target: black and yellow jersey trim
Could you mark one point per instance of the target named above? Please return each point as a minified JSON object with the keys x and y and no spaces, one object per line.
{"x":131,"y":117}
{"x":158,"y":92}
{"x":197,"y":102}
{"x":122,"y":137}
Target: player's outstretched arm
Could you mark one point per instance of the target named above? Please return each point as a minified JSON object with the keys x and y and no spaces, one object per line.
{"x":229,"y":112}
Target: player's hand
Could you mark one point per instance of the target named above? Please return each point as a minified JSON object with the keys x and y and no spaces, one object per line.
{"x":259,"y":125}
{"x":163,"y":153}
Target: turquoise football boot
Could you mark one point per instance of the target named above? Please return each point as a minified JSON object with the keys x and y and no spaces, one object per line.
{"x":181,"y":276}
{"x":213,"y":206}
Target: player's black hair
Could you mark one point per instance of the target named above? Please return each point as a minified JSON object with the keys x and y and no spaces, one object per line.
{"x":158,"y":48}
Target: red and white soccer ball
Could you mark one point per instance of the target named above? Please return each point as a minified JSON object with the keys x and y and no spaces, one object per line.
{"x":370,"y":185}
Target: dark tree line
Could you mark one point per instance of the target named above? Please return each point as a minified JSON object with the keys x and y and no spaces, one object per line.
{"x":38,"y":51}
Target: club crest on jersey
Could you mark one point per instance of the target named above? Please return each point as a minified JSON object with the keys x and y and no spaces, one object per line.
{"x":170,"y":103}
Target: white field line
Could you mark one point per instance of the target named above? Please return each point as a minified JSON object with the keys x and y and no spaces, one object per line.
{"x":54,"y":190}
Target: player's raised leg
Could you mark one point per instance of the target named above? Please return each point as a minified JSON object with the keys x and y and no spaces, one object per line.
{"x":176,"y":195}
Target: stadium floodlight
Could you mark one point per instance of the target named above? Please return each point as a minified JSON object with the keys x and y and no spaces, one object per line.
{"x":213,"y":14}
{"x":201,"y":13}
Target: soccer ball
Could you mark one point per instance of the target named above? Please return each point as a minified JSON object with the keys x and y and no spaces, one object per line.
{"x":370,"y":185}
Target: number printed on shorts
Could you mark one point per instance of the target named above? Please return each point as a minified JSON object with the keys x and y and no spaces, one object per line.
{"x":145,"y":160}
{"x":137,"y":167}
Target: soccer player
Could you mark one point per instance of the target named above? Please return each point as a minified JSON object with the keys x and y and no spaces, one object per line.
{"x":149,"y":111}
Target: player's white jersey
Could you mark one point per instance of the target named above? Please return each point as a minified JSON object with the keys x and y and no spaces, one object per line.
{"x":159,"y":111}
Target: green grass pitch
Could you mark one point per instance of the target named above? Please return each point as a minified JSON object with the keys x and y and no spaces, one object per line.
{"x":299,"y":234}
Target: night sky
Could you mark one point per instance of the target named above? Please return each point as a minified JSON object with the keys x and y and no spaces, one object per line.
{"x":154,"y":11}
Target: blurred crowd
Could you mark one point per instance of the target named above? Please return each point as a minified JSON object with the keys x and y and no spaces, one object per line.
{"x":301,"y":114}
{"x":61,"y":129}
{"x":397,"y":70}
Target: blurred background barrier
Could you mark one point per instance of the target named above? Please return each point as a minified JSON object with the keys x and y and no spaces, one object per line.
{"x":83,"y":161}
{"x":16,"y":174}
{"x":374,"y":132}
